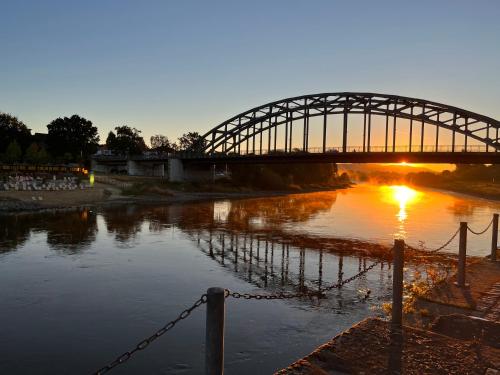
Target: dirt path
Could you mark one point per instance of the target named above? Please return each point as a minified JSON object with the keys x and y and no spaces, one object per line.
{"x":20,"y":200}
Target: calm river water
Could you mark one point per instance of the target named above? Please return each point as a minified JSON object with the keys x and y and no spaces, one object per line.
{"x":77,"y":288}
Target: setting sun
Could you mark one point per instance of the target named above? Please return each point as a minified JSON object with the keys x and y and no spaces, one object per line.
{"x":402,"y":196}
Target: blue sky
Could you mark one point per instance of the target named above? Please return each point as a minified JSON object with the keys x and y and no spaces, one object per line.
{"x":168,"y":67}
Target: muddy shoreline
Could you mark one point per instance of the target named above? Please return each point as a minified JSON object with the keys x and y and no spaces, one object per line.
{"x":27,"y":201}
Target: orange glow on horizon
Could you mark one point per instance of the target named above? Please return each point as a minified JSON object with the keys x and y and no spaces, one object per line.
{"x":432,"y":167}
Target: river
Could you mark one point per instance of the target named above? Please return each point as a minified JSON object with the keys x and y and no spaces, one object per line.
{"x":79,"y":287}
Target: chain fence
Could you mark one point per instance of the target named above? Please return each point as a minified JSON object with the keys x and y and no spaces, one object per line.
{"x":432,"y":251}
{"x":480,"y":232}
{"x":313,"y":293}
{"x":455,"y":234}
{"x":228,"y":293}
{"x":148,"y":340}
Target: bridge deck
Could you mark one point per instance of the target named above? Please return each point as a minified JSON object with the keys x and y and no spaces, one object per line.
{"x":353,"y":157}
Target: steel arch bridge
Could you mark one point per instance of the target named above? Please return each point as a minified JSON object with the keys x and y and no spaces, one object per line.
{"x":278,"y":131}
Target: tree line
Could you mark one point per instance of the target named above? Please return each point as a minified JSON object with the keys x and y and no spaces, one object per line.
{"x":75,"y":139}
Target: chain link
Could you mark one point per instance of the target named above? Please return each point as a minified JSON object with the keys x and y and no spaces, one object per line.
{"x":145,"y":343}
{"x":228,"y":293}
{"x":481,"y":232}
{"x":317,"y":293}
{"x":440,"y":247}
{"x":453,"y":237}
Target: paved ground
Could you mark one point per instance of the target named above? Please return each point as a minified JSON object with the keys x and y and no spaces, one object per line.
{"x":371,"y":347}
{"x":481,"y":298}
{"x":489,"y":303}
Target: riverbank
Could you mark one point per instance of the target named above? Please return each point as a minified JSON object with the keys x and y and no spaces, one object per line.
{"x":461,"y":334}
{"x":476,"y":189}
{"x":126,"y":190}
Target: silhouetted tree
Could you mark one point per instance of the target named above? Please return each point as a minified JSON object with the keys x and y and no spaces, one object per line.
{"x":13,"y":153}
{"x":111,"y":140}
{"x":127,"y":141}
{"x":280,"y":176}
{"x":73,"y":135}
{"x":36,"y":154}
{"x":192,"y":141}
{"x":12,"y":129}
{"x":162,"y":144}
{"x":31,"y":155}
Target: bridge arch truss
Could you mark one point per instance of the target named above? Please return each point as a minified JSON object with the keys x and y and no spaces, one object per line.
{"x":255,"y":132}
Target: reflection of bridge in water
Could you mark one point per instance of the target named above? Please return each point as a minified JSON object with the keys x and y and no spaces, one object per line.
{"x":273,"y":263}
{"x":246,"y":237}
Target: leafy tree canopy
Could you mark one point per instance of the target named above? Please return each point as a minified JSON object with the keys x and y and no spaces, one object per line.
{"x":75,"y":136}
{"x":191,"y":140}
{"x":13,"y":153}
{"x":162,"y":144}
{"x":36,"y":154}
{"x":12,"y":129}
{"x":126,"y":141}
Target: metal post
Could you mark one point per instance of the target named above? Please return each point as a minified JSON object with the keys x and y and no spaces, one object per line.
{"x":411,"y":128}
{"x":344,"y":128}
{"x":324,"y":125}
{"x":269,"y":132}
{"x":462,"y":254}
{"x":437,"y":135}
{"x":386,"y":127}
{"x":286,"y":133}
{"x":394,"y":124}
{"x":494,"y":238}
{"x":214,"y":343}
{"x":364,"y":128}
{"x":422,"y":129}
{"x":397,"y":283}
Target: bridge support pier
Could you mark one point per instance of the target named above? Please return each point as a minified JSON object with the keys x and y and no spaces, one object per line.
{"x":180,"y":171}
{"x":175,"y":170}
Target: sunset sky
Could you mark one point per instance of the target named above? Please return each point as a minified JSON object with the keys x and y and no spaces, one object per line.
{"x":170,"y":67}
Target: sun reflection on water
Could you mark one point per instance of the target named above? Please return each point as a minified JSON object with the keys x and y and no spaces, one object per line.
{"x":403,"y":196}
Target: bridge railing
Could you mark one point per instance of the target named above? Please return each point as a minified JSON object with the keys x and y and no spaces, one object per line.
{"x":350,"y":149}
{"x":297,"y":151}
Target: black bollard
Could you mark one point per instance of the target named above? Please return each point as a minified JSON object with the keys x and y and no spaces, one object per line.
{"x":462,"y":255}
{"x":494,"y":238}
{"x":214,"y":342}
{"x":397,"y":284}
